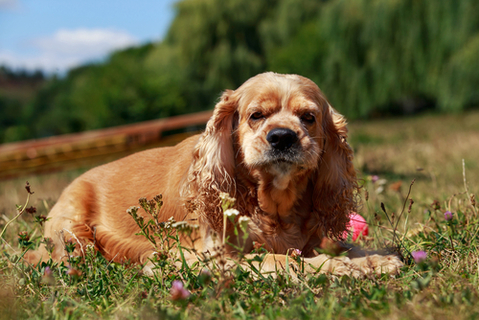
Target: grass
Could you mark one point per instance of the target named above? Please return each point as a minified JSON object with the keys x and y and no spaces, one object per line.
{"x":427,"y":148}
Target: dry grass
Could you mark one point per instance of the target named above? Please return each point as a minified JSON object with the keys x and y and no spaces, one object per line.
{"x":429,"y":148}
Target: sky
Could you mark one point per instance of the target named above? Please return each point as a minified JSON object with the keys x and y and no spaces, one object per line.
{"x":55,"y":35}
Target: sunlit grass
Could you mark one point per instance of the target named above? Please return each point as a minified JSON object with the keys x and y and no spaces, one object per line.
{"x":428,"y":148}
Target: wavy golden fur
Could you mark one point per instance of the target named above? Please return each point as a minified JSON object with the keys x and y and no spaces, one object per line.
{"x":275,"y":144}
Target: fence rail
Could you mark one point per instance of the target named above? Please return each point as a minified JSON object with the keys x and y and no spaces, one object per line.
{"x":92,"y":147}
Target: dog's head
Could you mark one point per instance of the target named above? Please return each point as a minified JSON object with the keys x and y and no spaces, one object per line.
{"x":281,"y":132}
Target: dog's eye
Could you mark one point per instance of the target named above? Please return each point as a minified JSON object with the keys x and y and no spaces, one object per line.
{"x":308,"y":118}
{"x":257,"y":116}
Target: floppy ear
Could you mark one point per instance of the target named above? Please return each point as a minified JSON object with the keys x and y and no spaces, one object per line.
{"x":212,"y":168}
{"x":335,"y":181}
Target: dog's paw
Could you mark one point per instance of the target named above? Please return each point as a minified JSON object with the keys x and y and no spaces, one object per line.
{"x":337,"y":266}
{"x":342,"y":266}
{"x":379,"y":264}
{"x":148,"y":270}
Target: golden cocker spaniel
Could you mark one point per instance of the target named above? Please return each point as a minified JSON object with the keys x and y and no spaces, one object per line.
{"x":274,"y":144}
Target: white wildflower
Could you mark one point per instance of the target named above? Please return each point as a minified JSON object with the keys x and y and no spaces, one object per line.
{"x":231,"y":212}
{"x":244,"y":219}
{"x":179,"y":225}
{"x":224,"y":196}
{"x":243,"y":223}
{"x":381,"y":182}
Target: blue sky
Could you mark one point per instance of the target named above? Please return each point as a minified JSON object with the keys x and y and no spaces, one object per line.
{"x":55,"y":35}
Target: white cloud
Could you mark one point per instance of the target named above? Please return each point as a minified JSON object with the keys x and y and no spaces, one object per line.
{"x":68,"y":48}
{"x":84,"y":42}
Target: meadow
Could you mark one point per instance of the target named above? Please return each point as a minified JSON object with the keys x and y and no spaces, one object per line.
{"x":431,"y":159}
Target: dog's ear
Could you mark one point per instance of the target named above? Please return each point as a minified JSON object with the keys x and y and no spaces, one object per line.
{"x":335,"y":181}
{"x":213,"y":165}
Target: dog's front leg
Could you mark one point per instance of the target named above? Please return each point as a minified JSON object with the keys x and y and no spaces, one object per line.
{"x":341,"y":265}
{"x":274,"y":263}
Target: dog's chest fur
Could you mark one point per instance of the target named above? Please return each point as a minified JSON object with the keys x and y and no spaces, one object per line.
{"x":298,"y":229}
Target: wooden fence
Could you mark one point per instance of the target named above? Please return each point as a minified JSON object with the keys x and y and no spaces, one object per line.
{"x":96,"y":146}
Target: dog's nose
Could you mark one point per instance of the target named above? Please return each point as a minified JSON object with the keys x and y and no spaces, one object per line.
{"x":281,"y":138}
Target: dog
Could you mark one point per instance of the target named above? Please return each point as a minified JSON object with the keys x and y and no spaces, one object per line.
{"x":275,"y":145}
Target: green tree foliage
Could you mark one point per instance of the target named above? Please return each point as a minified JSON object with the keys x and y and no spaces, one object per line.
{"x":374,"y":55}
{"x":369,"y":56}
{"x":218,"y":43}
{"x":17,"y":89}
{"x":11,"y":126}
{"x":96,"y":96}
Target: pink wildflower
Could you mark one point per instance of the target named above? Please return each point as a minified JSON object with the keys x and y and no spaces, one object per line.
{"x":48,"y":276}
{"x":295,"y":253}
{"x":48,"y":271}
{"x":448,"y":215}
{"x":357,"y":226}
{"x":178,"y":292}
{"x":419,"y":256}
